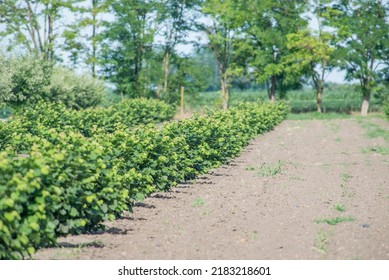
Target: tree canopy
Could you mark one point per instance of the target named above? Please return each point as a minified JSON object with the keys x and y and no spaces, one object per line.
{"x":150,"y":48}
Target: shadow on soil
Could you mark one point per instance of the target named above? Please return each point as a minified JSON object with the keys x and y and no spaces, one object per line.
{"x":144,"y":205}
{"x":94,"y":244}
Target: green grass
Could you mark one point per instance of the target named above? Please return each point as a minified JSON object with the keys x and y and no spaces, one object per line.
{"x":198,"y":202}
{"x":376,"y":149}
{"x":334,"y":221}
{"x":250,"y":168}
{"x":337,"y":98}
{"x":296,"y":178}
{"x":254,"y":235}
{"x":376,"y":131}
{"x":340,"y":207}
{"x":321,"y":242}
{"x":346,"y":177}
{"x":317,"y":116}
{"x":373,"y":130}
{"x":326,"y":166}
{"x":268,"y":169}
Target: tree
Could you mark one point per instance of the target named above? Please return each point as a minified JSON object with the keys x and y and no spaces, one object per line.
{"x":33,"y":24}
{"x":221,"y":37}
{"x":190,"y":72}
{"x":82,"y":40}
{"x":265,"y":24}
{"x":362,"y":29}
{"x":127,"y":44}
{"x":312,"y":56}
{"x":175,"y":19}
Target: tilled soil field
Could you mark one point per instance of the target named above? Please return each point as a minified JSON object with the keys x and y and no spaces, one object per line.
{"x":312,"y":189}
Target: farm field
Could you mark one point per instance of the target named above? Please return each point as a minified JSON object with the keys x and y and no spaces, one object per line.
{"x":309,"y":189}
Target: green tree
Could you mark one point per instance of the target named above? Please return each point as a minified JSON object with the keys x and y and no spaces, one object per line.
{"x":175,"y":19}
{"x":127,"y":44}
{"x":189,"y":72}
{"x":265,"y":24}
{"x":33,"y":24}
{"x":82,"y":40}
{"x":312,"y":56}
{"x":362,"y":30}
{"x":221,"y":34}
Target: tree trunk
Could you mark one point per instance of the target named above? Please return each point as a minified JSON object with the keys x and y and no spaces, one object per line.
{"x":94,"y":47}
{"x":159,"y":92}
{"x":272,"y":92}
{"x":225,"y":93}
{"x":166,"y":59}
{"x":365,"y":104}
{"x":319,"y":97}
{"x":50,"y":50}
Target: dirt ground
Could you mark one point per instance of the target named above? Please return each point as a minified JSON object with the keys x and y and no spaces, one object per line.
{"x":312,"y":189}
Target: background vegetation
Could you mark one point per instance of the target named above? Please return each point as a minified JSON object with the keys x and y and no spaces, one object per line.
{"x":246,"y":50}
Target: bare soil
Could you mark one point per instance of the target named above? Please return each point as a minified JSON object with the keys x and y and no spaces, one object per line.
{"x":306,"y":190}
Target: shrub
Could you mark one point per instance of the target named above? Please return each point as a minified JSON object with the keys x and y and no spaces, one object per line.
{"x":77,"y":91}
{"x":23,"y":79}
{"x":120,"y":116}
{"x":28,"y":79}
{"x":61,"y":182}
{"x":78,"y":182}
{"x":24,"y":223}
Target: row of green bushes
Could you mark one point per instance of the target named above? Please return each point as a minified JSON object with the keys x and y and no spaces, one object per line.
{"x":123,"y":115}
{"x":56,"y":183}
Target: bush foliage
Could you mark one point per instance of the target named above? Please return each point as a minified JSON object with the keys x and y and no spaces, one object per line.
{"x":386,"y":109}
{"x":59,"y":181}
{"x":26,"y":80}
{"x":125,"y":114}
{"x":73,"y":90}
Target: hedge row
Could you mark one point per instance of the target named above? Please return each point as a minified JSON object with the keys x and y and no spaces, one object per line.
{"x":63,"y":182}
{"x":122,"y":115}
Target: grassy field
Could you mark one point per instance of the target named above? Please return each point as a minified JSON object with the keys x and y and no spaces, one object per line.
{"x":339,"y":99}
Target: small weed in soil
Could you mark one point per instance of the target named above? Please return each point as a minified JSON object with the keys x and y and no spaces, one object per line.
{"x":334,"y":221}
{"x":254,"y":235}
{"x":375,"y":131}
{"x":250,"y":168}
{"x":377,"y":149}
{"x":346,"y":177}
{"x":325,"y":166}
{"x":321,"y":242}
{"x":198,"y":202}
{"x":268,"y":169}
{"x":334,"y":127}
{"x":297,"y":178}
{"x":339,"y":207}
